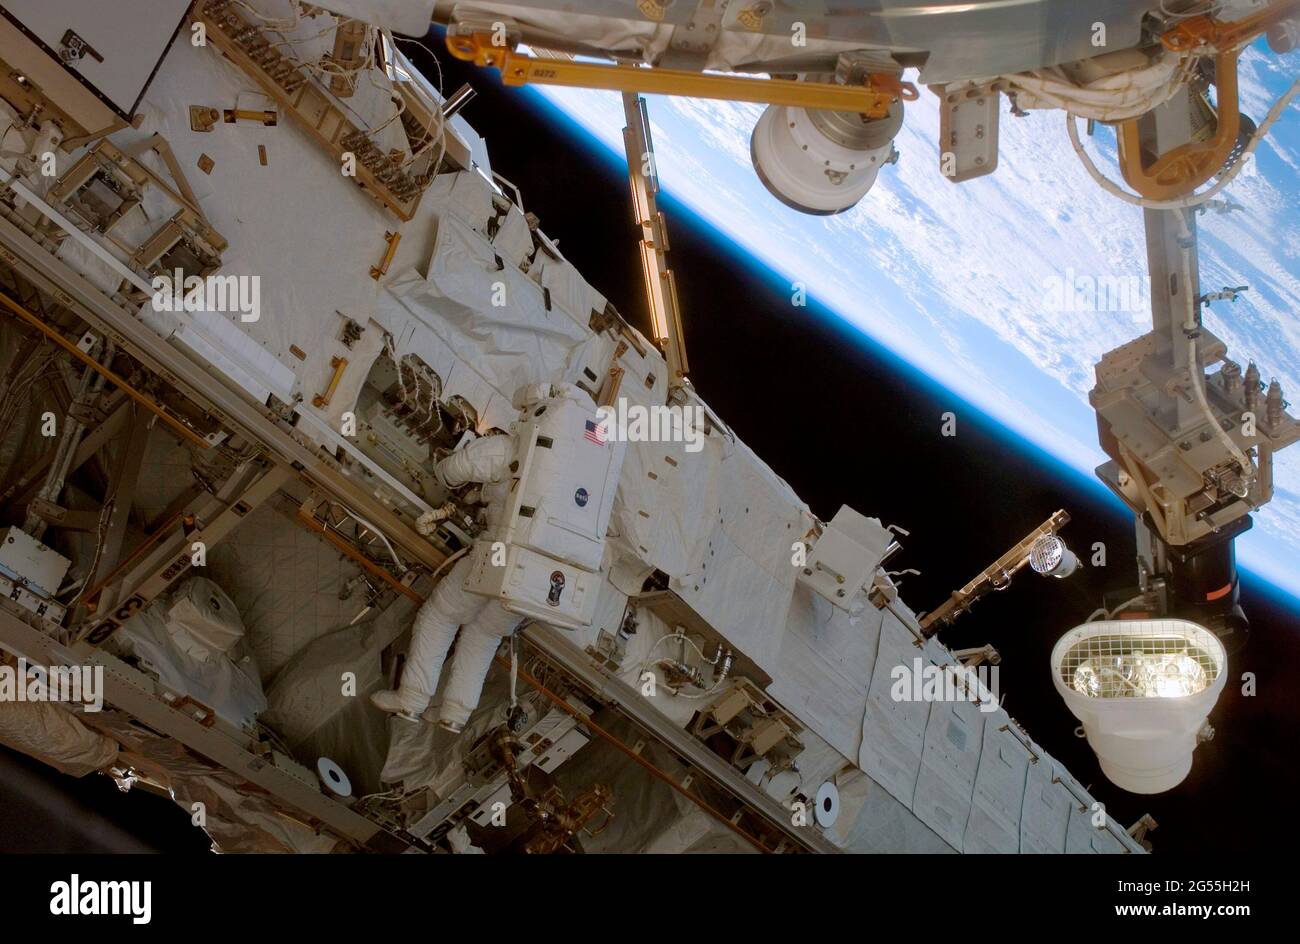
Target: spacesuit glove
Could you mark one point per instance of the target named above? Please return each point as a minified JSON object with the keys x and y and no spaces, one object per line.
{"x":427,"y":523}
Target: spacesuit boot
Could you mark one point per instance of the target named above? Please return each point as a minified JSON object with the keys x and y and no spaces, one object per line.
{"x":436,"y":625}
{"x":389,"y":700}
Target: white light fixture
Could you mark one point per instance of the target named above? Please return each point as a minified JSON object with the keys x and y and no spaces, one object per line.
{"x":821,"y":162}
{"x":1143,"y":689}
{"x":1050,"y":557}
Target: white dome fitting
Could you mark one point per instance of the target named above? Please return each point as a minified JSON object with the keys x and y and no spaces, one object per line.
{"x":821,"y":162}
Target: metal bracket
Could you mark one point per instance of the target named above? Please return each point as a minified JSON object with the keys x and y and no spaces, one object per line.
{"x":968,"y":129}
{"x":72,"y":48}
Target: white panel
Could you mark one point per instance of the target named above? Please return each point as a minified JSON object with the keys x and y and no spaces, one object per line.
{"x":1045,"y":814}
{"x":824,"y":667}
{"x":483,"y":815}
{"x":131,"y":36}
{"x":844,"y":557}
{"x":568,"y":745}
{"x":22,"y":556}
{"x":949,"y":761}
{"x":1080,"y":833}
{"x":994,"y":824}
{"x":893,"y":732}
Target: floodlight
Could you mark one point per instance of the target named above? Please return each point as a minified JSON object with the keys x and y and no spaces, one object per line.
{"x":1143,"y":689}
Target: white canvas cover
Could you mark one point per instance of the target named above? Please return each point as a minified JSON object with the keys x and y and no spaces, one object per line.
{"x":203,"y":620}
{"x":217,"y":682}
{"x":53,"y":734}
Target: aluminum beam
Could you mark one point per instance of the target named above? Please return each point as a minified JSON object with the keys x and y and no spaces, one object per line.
{"x":628,"y":701}
{"x":199,"y":382}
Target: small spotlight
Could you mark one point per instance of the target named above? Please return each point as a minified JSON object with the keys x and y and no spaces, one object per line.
{"x":1143,"y":689}
{"x":1050,"y":557}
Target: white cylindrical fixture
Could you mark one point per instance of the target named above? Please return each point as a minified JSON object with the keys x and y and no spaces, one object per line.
{"x":821,"y":162}
{"x":1142,"y":689}
{"x":333,"y":778}
{"x":827,"y":805}
{"x":1050,"y":557}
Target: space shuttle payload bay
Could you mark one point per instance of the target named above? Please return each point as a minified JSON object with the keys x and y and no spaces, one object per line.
{"x":264,"y":280}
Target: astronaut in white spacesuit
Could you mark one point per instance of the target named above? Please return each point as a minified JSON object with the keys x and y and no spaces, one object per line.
{"x":481,"y":621}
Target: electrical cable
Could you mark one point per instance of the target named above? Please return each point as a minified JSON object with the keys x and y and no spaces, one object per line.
{"x":1118,"y":97}
{"x":402,"y":568}
{"x":270,"y":21}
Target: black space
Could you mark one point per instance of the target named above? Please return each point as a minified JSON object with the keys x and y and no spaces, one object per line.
{"x":844,"y":423}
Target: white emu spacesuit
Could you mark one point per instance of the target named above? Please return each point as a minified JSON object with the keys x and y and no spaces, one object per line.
{"x":481,"y":621}
{"x":557,"y":457}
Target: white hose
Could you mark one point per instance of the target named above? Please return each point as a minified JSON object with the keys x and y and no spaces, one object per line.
{"x":382,"y":537}
{"x":449,"y":561}
{"x":1112,"y":98}
{"x":1190,"y":327}
{"x":1195,"y":199}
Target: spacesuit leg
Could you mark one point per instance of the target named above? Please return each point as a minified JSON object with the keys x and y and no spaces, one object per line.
{"x":469,"y":667}
{"x":435,"y":628}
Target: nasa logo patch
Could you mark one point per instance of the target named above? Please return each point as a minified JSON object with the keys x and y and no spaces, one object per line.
{"x":581,"y":497}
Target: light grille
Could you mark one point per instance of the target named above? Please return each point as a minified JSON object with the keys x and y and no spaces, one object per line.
{"x":1046,"y":554}
{"x":1153,"y":660}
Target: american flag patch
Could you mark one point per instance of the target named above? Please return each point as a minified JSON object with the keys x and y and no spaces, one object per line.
{"x":594,"y":433}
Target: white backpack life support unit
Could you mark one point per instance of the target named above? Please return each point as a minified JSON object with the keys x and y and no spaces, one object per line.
{"x":545,"y":560}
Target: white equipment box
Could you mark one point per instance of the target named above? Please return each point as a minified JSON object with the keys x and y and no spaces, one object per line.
{"x":844,"y":558}
{"x":535,"y":585}
{"x":553,"y":533}
{"x":28,"y":562}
